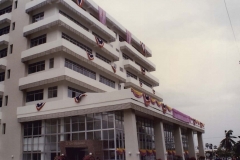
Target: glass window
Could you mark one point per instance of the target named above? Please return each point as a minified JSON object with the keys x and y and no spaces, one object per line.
{"x":126,"y":57}
{"x":3,"y":53}
{"x":34,"y":95}
{"x":2,"y":76}
{"x":38,"y":40}
{"x":37,"y":17}
{"x":6,"y":10}
{"x":95,"y":34}
{"x":74,"y":92}
{"x":107,"y":81}
{"x":51,"y":63}
{"x":103,"y":58}
{"x":4,"y":30}
{"x":36,"y":67}
{"x":52,"y":92}
{"x":129,"y":74}
{"x":144,"y":82}
{"x":80,"y":69}
{"x":0,"y":102}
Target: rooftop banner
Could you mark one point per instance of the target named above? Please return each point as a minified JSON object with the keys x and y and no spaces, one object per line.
{"x":180,"y":116}
{"x":102,"y":15}
{"x":129,"y":36}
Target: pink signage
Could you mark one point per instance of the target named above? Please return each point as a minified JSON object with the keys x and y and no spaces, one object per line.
{"x":180,"y":116}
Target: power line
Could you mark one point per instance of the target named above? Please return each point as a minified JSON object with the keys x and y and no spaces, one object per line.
{"x":232,"y":27}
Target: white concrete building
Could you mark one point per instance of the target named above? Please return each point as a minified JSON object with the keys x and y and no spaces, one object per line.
{"x":48,"y":55}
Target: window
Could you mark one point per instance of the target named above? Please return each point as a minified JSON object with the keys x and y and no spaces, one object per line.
{"x":36,"y":67}
{"x":129,"y":74}
{"x":103,"y":58}
{"x":51,"y":63}
{"x":74,"y":92}
{"x":4,"y":128}
{"x":13,"y":26}
{"x":126,"y":57}
{"x":3,"y":53}
{"x":121,"y":39}
{"x":72,"y":19}
{"x":4,"y":30}
{"x":16,"y":3}
{"x":6,"y":100}
{"x":80,"y":69}
{"x":8,"y":74}
{"x":0,"y":102}
{"x":37,"y":17}
{"x":38,"y":40}
{"x":11,"y":48}
{"x":2,"y":76}
{"x":32,"y":128}
{"x":107,"y":81}
{"x":6,"y":10}
{"x":34,"y":95}
{"x":52,"y":92}
{"x":144,"y":82}
{"x":73,"y":41}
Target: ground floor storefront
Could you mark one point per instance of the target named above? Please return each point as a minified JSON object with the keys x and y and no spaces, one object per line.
{"x":116,"y":135}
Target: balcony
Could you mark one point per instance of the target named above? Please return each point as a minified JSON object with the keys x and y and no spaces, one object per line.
{"x":62,"y":74}
{"x":131,"y":82}
{"x":79,"y":11}
{"x":4,"y":39}
{"x":3,"y":64}
{"x":5,"y":18}
{"x":67,"y":47}
{"x":131,"y":66}
{"x":73,"y":27}
{"x":128,"y":49}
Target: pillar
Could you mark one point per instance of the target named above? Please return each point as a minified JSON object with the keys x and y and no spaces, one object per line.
{"x":200,"y":144}
{"x":191,"y":146}
{"x":159,"y":140}
{"x":178,"y":141}
{"x":131,"y":140}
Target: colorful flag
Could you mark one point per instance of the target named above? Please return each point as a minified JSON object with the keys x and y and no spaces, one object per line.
{"x":39,"y":106}
{"x":143,"y":48}
{"x":100,"y":42}
{"x":114,"y":67}
{"x":102,"y":15}
{"x":79,"y":97}
{"x":129,"y":36}
{"x":79,"y":3}
{"x":90,"y":56}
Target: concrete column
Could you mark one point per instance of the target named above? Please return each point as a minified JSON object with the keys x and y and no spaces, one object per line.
{"x":131,"y":140}
{"x":62,"y":129}
{"x":178,"y":141}
{"x":200,"y":144}
{"x":191,"y":146}
{"x":159,"y":140}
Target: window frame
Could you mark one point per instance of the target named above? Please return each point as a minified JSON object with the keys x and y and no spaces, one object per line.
{"x":36,"y":95}
{"x":38,"y":40}
{"x":52,"y":92}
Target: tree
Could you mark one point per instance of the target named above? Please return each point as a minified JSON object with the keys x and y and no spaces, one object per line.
{"x":237,"y":148}
{"x":227,"y":143}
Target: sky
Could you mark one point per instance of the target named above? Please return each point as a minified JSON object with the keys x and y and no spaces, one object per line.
{"x":196,"y":55}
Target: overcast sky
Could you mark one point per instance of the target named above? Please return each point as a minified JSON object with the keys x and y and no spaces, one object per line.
{"x":195,"y":53}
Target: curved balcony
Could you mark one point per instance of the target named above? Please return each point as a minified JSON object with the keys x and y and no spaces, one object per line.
{"x":83,"y":14}
{"x":5,"y":18}
{"x":128,"y":49}
{"x":131,"y":66}
{"x":62,"y":74}
{"x":68,"y":24}
{"x":4,"y":39}
{"x":131,"y":82}
{"x":67,"y":47}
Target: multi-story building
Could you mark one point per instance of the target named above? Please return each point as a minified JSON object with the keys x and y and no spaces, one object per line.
{"x":74,"y":82}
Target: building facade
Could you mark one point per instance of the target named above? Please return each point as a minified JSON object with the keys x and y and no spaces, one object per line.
{"x":74,"y":82}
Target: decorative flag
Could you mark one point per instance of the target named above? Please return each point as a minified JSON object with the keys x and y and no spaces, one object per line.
{"x":149,"y":152}
{"x":143,"y":48}
{"x":143,"y":71}
{"x":79,"y":2}
{"x":102,"y":15}
{"x":164,"y":108}
{"x":90,"y":56}
{"x":153,"y":101}
{"x":143,"y":152}
{"x":153,"y":91}
{"x":39,"y":106}
{"x":136,"y":93}
{"x":140,"y":84}
{"x":129,"y":36}
{"x":79,"y":97}
{"x":100,"y":42}
{"x":114,"y":67}
{"x":147,"y":100}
